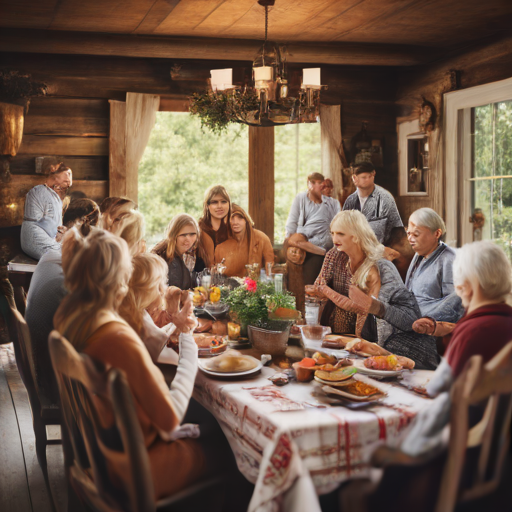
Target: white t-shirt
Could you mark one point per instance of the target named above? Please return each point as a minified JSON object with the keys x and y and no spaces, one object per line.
{"x":362,"y":200}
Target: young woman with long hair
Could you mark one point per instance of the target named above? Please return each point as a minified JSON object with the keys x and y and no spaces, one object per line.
{"x":214,"y":223}
{"x":248,"y":245}
{"x":183,"y":251}
{"x":366,"y":295}
{"x":97,"y":273}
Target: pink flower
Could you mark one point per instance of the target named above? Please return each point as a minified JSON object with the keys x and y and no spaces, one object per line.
{"x":250,"y":285}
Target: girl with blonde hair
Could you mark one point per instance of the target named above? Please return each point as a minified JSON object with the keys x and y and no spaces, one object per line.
{"x":151,"y":308}
{"x":97,"y":276}
{"x":113,"y":208}
{"x":183,"y":251}
{"x":214,"y":222}
{"x":130,"y":226}
{"x":366,"y":295}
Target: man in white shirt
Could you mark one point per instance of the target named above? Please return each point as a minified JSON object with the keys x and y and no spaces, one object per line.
{"x":374,"y":202}
{"x":310,"y":216}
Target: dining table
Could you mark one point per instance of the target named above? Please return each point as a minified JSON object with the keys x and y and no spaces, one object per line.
{"x":294,"y":442}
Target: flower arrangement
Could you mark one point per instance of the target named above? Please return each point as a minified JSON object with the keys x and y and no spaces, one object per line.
{"x":252,"y":302}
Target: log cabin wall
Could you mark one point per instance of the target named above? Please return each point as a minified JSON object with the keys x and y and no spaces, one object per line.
{"x":72,"y":122}
{"x":487,"y":62}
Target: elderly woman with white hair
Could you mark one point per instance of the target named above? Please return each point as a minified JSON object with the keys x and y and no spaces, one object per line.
{"x":430,"y":275}
{"x":483,"y":280}
{"x":367,"y":296}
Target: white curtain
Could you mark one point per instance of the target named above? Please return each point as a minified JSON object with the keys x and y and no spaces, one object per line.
{"x":130,"y":127}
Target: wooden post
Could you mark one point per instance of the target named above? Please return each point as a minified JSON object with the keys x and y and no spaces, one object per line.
{"x":261,"y":179}
{"x":117,"y":149}
{"x":333,"y":156}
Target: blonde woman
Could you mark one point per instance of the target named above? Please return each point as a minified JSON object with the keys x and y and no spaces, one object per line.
{"x":366,"y":295}
{"x":183,"y":251}
{"x":130,"y":226}
{"x":214,"y":223}
{"x":112,"y":209}
{"x":147,"y":293}
{"x":97,"y":273}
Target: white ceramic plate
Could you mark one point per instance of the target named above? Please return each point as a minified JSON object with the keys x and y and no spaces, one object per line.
{"x":202,"y":367}
{"x":361,"y":368}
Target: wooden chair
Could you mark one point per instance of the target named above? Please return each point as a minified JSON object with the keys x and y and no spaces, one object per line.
{"x":487,"y":386}
{"x":86,"y":443}
{"x":44,"y":412}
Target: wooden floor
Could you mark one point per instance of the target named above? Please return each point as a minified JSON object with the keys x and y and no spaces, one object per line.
{"x":22,"y":485}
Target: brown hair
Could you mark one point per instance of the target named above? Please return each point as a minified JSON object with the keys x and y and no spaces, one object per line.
{"x":214,"y":190}
{"x":167,"y":247}
{"x":83,"y":212}
{"x":316,"y":176}
{"x":238,"y":210}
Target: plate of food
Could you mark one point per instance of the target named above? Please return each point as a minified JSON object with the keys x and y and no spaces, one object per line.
{"x":355,"y":390}
{"x":230,"y":364}
{"x":335,"y":377}
{"x":210,"y":345}
{"x":384,"y":366}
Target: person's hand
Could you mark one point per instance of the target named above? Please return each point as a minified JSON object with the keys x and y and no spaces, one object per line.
{"x":359,"y":298}
{"x":313,"y":291}
{"x":184,"y":319}
{"x":61,"y":230}
{"x":424,"y":326}
{"x":172,"y":299}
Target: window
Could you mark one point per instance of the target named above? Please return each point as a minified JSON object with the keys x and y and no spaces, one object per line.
{"x":181,"y":161}
{"x":478,"y":157}
{"x":297,"y":154}
{"x":491,"y":176}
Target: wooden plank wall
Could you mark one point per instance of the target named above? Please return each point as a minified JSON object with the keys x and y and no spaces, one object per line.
{"x":485,"y":64}
{"x":73,"y":121}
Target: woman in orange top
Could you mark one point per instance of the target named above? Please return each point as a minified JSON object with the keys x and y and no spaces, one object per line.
{"x":97,"y":271}
{"x":247,"y":246}
{"x":214,"y":224}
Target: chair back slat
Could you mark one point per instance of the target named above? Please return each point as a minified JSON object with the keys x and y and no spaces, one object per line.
{"x":26,"y":362}
{"x":488,"y":386}
{"x":79,"y":379}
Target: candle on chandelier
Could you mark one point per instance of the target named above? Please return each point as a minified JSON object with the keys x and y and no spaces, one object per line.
{"x":311,"y":77}
{"x":222,"y":79}
{"x":263,"y":73}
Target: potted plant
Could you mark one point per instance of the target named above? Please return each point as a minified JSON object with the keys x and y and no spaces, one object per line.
{"x":251,"y":305}
{"x":16,"y":89}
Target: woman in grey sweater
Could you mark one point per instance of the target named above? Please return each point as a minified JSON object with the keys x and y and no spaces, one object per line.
{"x":372,"y":291}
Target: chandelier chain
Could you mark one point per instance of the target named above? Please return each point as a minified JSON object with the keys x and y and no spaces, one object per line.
{"x":266,"y":21}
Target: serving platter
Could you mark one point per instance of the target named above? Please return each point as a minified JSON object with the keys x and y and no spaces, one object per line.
{"x":361,"y":368}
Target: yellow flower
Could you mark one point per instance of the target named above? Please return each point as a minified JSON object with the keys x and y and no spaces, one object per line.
{"x":215,"y":294}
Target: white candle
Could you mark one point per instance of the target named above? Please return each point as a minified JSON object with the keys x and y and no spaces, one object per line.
{"x":263,"y":73}
{"x":311,"y":76}
{"x":222,"y":79}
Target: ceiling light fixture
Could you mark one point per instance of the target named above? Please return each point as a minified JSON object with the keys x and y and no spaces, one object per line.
{"x":267,"y":102}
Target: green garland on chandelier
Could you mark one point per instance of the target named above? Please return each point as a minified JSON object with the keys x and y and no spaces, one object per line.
{"x":217,"y":109}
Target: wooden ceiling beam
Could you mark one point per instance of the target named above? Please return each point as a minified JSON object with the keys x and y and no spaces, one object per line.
{"x":87,"y":43}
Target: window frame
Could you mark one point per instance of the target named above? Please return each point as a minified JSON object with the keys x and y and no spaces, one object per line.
{"x":458,"y":159}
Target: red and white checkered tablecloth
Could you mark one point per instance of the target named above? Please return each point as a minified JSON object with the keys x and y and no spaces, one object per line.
{"x":282,"y":434}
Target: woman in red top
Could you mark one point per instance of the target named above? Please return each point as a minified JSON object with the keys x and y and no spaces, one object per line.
{"x":483,"y":280}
